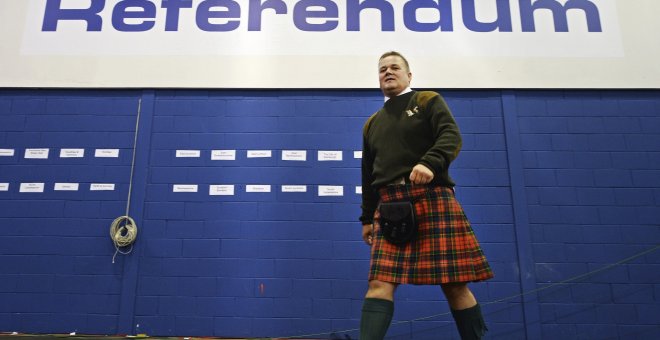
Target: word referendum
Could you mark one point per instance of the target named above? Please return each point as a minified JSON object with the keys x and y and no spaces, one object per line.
{"x":313,"y":15}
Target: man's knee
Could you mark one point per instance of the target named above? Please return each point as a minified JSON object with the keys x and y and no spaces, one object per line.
{"x":381,"y":290}
{"x":455,"y":289}
{"x":459,"y":295}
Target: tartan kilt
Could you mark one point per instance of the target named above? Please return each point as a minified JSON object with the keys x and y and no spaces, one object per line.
{"x":445,"y":248}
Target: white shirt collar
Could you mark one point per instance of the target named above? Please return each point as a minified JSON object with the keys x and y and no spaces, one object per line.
{"x":408,"y":89}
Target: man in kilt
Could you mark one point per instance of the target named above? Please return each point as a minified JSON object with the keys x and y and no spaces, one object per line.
{"x":407,"y":148}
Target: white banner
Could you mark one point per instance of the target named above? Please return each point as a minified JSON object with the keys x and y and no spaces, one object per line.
{"x":329,"y":43}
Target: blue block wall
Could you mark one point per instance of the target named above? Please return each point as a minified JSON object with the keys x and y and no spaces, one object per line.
{"x":56,"y":274}
{"x":592,"y":176}
{"x":557,"y":184}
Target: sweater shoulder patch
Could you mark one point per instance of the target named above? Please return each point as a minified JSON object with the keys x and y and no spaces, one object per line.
{"x":424,"y":97}
{"x":365,"y":129}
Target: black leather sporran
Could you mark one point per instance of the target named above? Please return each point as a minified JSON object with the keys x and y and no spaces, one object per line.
{"x":397,"y":222}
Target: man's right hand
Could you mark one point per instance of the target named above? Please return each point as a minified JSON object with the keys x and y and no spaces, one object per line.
{"x":368,"y":233}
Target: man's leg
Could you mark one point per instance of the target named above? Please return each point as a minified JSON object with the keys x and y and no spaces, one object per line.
{"x":465,"y":310}
{"x":377,"y":310}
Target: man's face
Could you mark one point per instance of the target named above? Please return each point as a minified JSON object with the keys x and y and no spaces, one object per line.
{"x":393,"y":75}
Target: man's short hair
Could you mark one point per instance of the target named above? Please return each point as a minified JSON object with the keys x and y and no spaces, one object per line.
{"x":397,"y":54}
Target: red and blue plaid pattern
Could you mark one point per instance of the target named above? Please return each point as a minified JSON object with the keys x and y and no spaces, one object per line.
{"x":445,"y":249}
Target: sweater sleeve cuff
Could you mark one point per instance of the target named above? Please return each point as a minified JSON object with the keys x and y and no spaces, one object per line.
{"x":366,"y":220}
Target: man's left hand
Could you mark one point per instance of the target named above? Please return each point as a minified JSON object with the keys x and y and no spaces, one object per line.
{"x":420,"y":174}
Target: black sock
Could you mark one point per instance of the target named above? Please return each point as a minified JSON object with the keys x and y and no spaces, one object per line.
{"x":376,"y":318}
{"x":470,"y":322}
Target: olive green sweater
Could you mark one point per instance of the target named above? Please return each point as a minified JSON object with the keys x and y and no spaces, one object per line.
{"x":410,"y":129}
